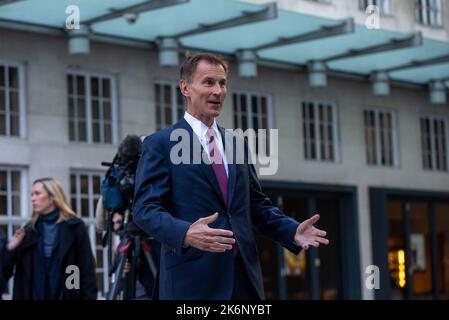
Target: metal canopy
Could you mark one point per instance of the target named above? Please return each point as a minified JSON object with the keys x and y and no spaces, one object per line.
{"x":134,"y":9}
{"x":229,"y":26}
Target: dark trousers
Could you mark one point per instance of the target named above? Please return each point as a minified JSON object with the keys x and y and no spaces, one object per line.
{"x":243,"y":288}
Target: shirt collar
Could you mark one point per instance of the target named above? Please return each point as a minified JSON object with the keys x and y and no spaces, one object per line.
{"x":199,"y":127}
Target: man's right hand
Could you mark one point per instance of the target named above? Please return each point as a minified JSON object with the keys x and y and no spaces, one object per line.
{"x":16,"y":239}
{"x":202,"y":237}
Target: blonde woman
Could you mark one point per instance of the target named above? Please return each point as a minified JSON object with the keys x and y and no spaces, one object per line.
{"x":43,"y":250}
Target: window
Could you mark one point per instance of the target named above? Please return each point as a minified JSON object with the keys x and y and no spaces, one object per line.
{"x":12,"y":109}
{"x":429,"y":12}
{"x":383,"y":5}
{"x":380,"y":137}
{"x":13,"y":205}
{"x":92,"y":108}
{"x":170,"y":105}
{"x":434,"y":143}
{"x":320,"y":131}
{"x":253,"y":111}
{"x":85,"y":190}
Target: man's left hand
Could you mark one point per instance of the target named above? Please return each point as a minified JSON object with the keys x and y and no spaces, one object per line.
{"x":307,"y":235}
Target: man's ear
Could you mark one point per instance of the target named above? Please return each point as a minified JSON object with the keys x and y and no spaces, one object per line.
{"x":184,"y":87}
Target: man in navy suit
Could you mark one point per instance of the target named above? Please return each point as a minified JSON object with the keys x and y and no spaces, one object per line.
{"x":204,"y":213}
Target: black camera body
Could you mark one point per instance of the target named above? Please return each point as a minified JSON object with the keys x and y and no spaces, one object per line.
{"x":119,"y":181}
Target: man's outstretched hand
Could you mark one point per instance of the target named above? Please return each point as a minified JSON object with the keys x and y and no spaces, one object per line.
{"x":202,"y":237}
{"x":307,"y":235}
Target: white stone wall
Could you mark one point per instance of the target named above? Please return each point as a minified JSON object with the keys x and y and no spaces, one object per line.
{"x":401,"y":17}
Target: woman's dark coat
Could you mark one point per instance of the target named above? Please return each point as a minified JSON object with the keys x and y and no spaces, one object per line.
{"x":74,"y":249}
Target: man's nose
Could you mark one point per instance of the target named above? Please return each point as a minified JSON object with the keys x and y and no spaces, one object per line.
{"x":217,"y":89}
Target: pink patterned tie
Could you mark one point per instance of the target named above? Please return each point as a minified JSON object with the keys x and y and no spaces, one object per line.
{"x":219,"y":169}
{"x":217,"y":164}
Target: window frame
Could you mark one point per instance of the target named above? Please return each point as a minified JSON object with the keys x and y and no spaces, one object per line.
{"x":384,"y":6}
{"x":394,"y":137}
{"x":424,"y":12}
{"x":22,"y":100}
{"x":249,"y":113}
{"x":432,"y":147}
{"x":317,"y":142}
{"x":174,"y":91}
{"x":88,"y":103}
{"x":12,"y":222}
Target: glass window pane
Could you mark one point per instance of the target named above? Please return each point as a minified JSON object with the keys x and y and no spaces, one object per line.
{"x":14,"y":101}
{"x":13,"y":77}
{"x":82,"y":134}
{"x":167,"y":94}
{"x":254,"y":105}
{"x":244,"y":122}
{"x":84,"y":208}
{"x":396,"y":250}
{"x":442,"y":235}
{"x":15,"y":175}
{"x":84,"y":179}
{"x":158,"y":117}
{"x":70,"y":84}
{"x":95,"y":109}
{"x":2,"y":100}
{"x":71,"y":104}
{"x":3,"y":230}
{"x":296,"y":267}
{"x":80,"y":85}
{"x":168,"y":117}
{"x":264,"y":105}
{"x":73,"y":184}
{"x":2,"y":76}
{"x":106,"y":88}
{"x":94,"y":86}
{"x":157,"y":92}
{"x":243,"y":105}
{"x":107,"y":132}
{"x":96,"y":183}
{"x":96,"y":131}
{"x":3,"y":180}
{"x":3,"y":205}
{"x":71,"y":130}
{"x":107,"y":110}
{"x":2,"y":124}
{"x":421,"y":267}
{"x":16,"y":205}
{"x":14,"y":125}
{"x":81,"y":108}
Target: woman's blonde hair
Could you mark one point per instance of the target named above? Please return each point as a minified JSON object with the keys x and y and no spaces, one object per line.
{"x":55,"y":190}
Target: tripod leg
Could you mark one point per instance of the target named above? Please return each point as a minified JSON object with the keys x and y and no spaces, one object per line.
{"x":118,"y":274}
{"x":151,"y":263}
{"x":117,"y":277}
{"x":132,"y":275}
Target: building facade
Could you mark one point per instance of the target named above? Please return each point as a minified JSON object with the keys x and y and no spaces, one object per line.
{"x":375,"y":167}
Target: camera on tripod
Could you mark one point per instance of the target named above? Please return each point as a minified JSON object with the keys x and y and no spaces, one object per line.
{"x":118,"y":185}
{"x":135,"y":245}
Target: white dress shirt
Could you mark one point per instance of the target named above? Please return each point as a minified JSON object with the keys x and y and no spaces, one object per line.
{"x":200,"y":130}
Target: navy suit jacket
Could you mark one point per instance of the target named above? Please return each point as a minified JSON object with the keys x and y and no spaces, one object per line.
{"x":170,"y":197}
